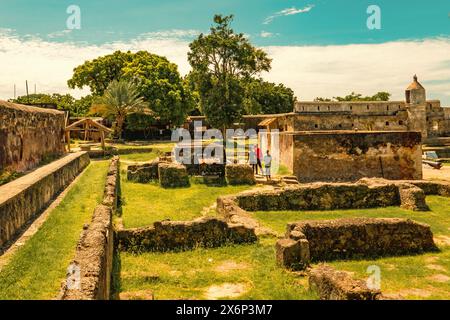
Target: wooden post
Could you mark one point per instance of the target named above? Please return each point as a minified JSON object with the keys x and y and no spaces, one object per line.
{"x":68,"y":139}
{"x":103,"y":140}
{"x":86,"y":128}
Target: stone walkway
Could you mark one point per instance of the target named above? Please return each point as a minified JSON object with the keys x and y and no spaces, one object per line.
{"x":433,"y":174}
{"x":34,"y":227}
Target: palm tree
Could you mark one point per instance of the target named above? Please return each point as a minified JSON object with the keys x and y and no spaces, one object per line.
{"x":120,"y":99}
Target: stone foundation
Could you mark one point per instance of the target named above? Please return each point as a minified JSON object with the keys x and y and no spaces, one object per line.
{"x":237,"y":174}
{"x":143,"y":173}
{"x":331,"y":284}
{"x":323,"y":240}
{"x":184,"y":235}
{"x":172,"y":175}
{"x":24,"y":198}
{"x":89,"y":274}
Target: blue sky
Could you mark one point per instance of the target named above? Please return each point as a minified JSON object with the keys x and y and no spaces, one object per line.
{"x":327,"y":22}
{"x":319,"y":47}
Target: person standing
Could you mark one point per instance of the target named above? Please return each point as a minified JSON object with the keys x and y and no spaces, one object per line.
{"x":252,"y":159}
{"x":258,"y":159}
{"x":267,"y":165}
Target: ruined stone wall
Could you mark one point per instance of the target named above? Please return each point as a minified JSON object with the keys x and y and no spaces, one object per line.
{"x":286,"y":143}
{"x":22,"y":199}
{"x":354,"y":107}
{"x":348,"y":121}
{"x":349,"y":156}
{"x":89,"y":274}
{"x":184,"y":235}
{"x":324,"y":240}
{"x":28,"y":135}
{"x":332,"y":284}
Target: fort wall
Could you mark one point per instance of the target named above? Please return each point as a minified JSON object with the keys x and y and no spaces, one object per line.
{"x":28,"y":135}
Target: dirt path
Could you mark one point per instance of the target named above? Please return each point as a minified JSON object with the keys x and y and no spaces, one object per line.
{"x":433,"y":174}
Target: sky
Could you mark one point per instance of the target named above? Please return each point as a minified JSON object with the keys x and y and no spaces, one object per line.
{"x":320,"y":48}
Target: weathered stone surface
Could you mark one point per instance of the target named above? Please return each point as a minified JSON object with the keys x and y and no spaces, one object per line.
{"x":28,"y":135}
{"x":337,"y":156}
{"x":93,"y":259}
{"x":320,"y":196}
{"x":89,"y":274}
{"x":331,"y":284}
{"x":292,"y":254}
{"x":358,"y":238}
{"x":184,"y":235}
{"x":412,"y":198}
{"x":237,"y":174}
{"x":172,"y":175}
{"x":22,"y":199}
{"x":143,"y":173}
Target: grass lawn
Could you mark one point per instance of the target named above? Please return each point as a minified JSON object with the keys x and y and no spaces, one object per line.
{"x":143,"y":204}
{"x":414,"y":277}
{"x":38,"y":268}
{"x":191,"y":274}
{"x":158,"y":148}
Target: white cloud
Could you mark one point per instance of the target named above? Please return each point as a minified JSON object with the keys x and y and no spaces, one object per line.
{"x":288,"y":12}
{"x":327,"y":71}
{"x":265,"y":34}
{"x":311,"y":71}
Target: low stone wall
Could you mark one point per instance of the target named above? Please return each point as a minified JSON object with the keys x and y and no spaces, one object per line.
{"x":324,"y":240}
{"x":237,"y":174}
{"x":206,"y":169}
{"x":143,"y":173}
{"x":331,"y":284}
{"x":184,"y":235}
{"x":89,"y":274}
{"x":24,"y":198}
{"x":172,"y":175}
{"x":366,"y":193}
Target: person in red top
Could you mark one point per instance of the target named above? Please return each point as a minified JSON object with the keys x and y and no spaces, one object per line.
{"x":258,"y":159}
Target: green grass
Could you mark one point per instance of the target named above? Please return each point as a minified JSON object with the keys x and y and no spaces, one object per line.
{"x":188,"y":275}
{"x":37,"y":269}
{"x":143,"y":204}
{"x":139,"y":157}
{"x":438,"y":218}
{"x":409,"y":276}
{"x":158,"y":148}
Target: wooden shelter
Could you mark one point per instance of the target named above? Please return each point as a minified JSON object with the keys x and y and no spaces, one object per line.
{"x":87,"y":126}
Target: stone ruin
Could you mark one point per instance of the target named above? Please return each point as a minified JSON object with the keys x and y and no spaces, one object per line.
{"x":172,"y":175}
{"x":325,"y":240}
{"x":331,"y":284}
{"x":184,"y":235}
{"x":169,"y":175}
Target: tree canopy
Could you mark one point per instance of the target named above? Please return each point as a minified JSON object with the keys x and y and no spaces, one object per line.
{"x":379,"y":96}
{"x":263,"y":97}
{"x":119,"y":100}
{"x":76,"y":107}
{"x":158,"y":81}
{"x":220,"y":61}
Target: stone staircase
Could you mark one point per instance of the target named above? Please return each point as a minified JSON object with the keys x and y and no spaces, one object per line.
{"x":276,"y":180}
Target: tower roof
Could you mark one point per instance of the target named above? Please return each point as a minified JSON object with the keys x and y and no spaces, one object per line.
{"x":415,"y":85}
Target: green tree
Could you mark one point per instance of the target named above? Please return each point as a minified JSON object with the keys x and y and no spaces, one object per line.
{"x":119,"y":100}
{"x":161,"y":85}
{"x":76,"y":107}
{"x":263,"y":97}
{"x":220,"y":60}
{"x":379,"y":96}
{"x":100,"y":72}
{"x":158,"y":81}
